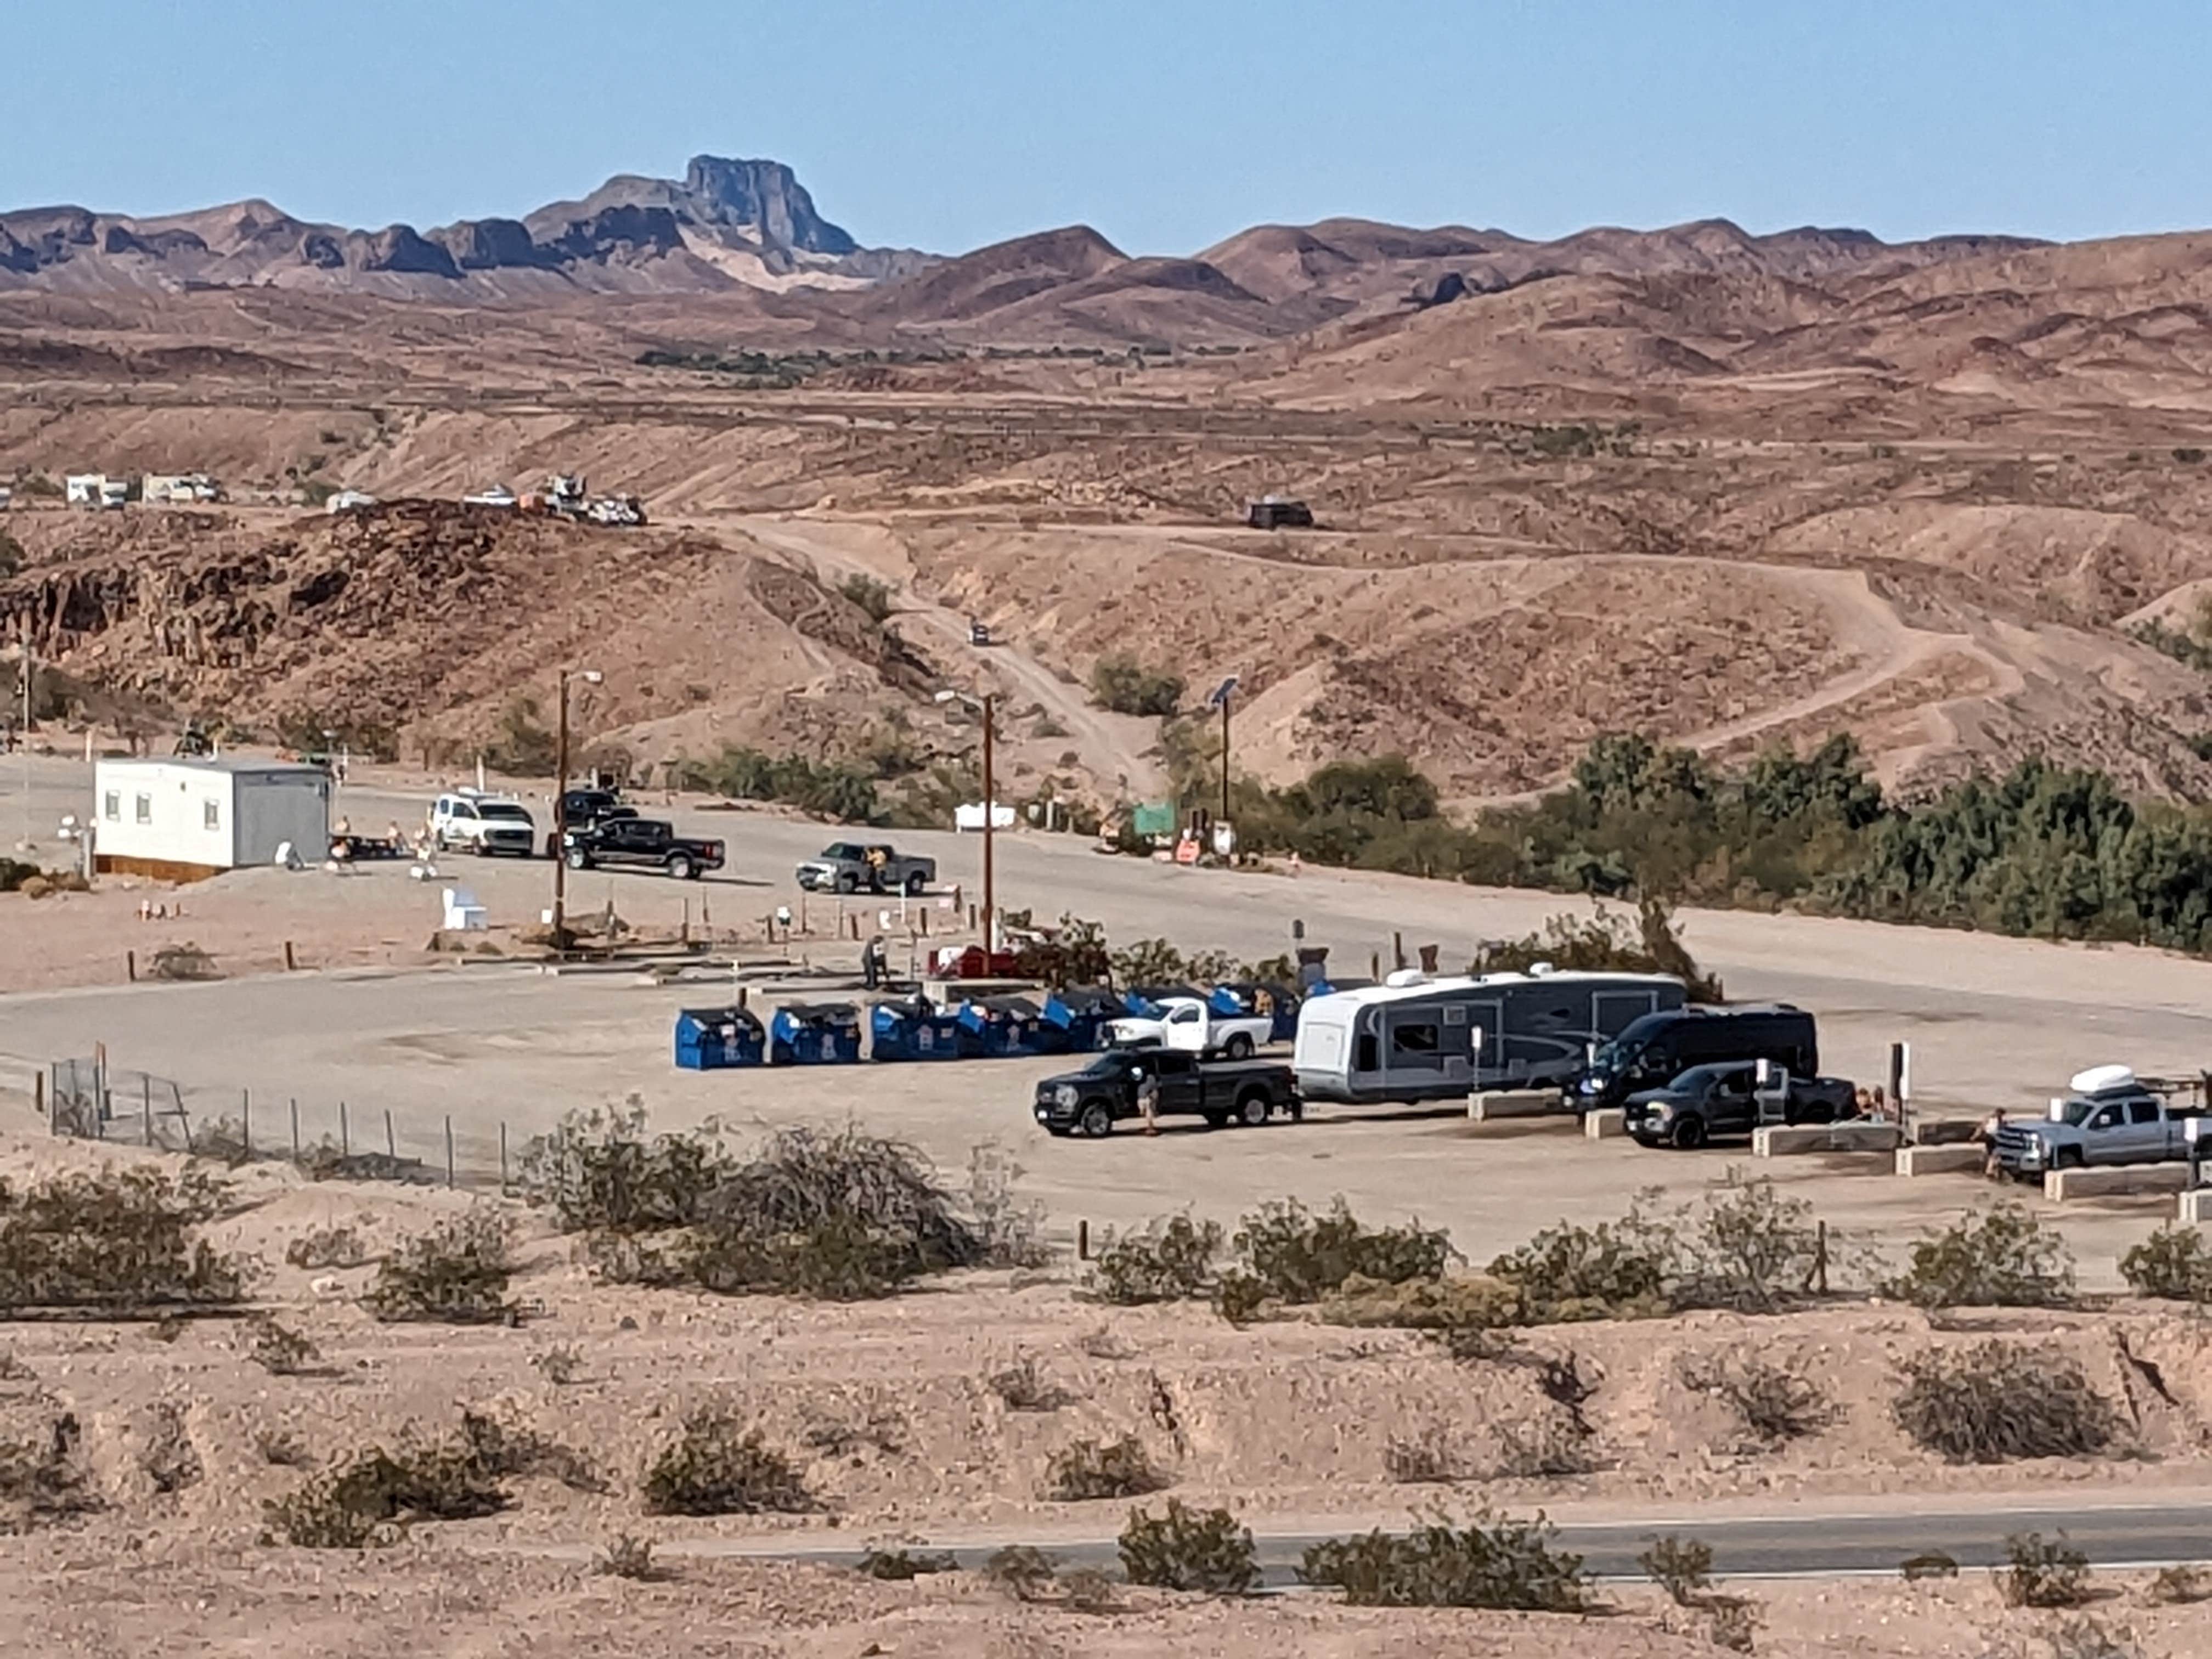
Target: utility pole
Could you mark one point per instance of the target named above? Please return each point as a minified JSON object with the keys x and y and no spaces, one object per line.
{"x":990,"y":820}
{"x":590,"y":677}
{"x":1220,"y":698}
{"x":23,"y":741}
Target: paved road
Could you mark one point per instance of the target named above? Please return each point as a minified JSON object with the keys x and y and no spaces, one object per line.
{"x":1782,"y":1546}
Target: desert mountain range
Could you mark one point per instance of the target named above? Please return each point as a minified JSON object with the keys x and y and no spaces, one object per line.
{"x":1730,"y":489}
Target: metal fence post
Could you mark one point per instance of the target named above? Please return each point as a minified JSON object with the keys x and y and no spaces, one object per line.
{"x":449,"y":1151}
{"x":345,"y":1133}
{"x":295,"y":1128}
{"x":391,"y":1145}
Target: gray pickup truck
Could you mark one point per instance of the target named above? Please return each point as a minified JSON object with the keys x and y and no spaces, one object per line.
{"x":2110,"y":1117}
{"x":853,"y":866}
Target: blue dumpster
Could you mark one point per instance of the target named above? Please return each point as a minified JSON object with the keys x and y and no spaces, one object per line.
{"x":1144,"y":1001}
{"x":1074,"y":1018}
{"x":815,"y":1034}
{"x":913,"y":1029}
{"x":998,"y":1028}
{"x":708,"y":1039}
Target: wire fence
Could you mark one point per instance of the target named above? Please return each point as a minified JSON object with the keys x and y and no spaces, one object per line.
{"x":91,"y":1100}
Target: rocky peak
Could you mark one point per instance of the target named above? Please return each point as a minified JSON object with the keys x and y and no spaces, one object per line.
{"x":766,"y":196}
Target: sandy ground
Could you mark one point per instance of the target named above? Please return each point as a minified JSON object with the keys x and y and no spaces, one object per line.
{"x":888,"y":1411}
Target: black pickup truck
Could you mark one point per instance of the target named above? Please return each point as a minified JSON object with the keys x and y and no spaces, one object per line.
{"x":1090,"y":1102}
{"x":640,"y":844}
{"x":1721,"y":1099}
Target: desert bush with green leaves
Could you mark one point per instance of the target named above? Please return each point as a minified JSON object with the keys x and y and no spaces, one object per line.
{"x":115,"y":1239}
{"x":1171,"y":1261}
{"x":2174,"y":1264}
{"x":1683,"y":1567}
{"x":1189,"y":1549}
{"x":2001,"y":1256}
{"x":1999,"y":1402}
{"x":455,"y":1273}
{"x":1486,"y":1562}
{"x":1084,"y":1471}
{"x":2042,"y":1572}
{"x":717,"y":1465}
{"x":1287,"y":1253}
{"x":1775,"y":1404}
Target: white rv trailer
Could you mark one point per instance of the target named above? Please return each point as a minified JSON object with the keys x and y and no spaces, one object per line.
{"x":1413,"y":1037}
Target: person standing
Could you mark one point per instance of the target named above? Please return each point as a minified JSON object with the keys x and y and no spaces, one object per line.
{"x":1148,"y":1100}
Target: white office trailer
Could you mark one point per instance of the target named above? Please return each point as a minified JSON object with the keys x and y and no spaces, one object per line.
{"x":181,"y":820}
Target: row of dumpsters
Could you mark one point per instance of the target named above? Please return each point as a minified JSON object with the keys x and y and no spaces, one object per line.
{"x":915,"y":1029}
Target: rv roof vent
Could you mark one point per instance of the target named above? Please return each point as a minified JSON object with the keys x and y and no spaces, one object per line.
{"x":1536,"y":968}
{"x":1406,"y":976}
{"x":2102,"y":1080}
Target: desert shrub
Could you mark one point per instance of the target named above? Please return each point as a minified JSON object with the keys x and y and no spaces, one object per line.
{"x":2174,"y":1264}
{"x":1746,"y":1247}
{"x":899,"y":1565}
{"x":1544,"y":1448}
{"x":1606,"y":941}
{"x":1009,"y":1233}
{"x":12,"y":555}
{"x":1998,"y":1257}
{"x":1731,"y":1623}
{"x":1169,"y":1261}
{"x":883,"y":1429}
{"x":1429,"y":1457}
{"x":367,"y":1500}
{"x":1999,"y":1402}
{"x":1120,"y":683}
{"x":524,"y":747}
{"x":1683,"y":1567}
{"x":560,"y":1366}
{"x":1573,"y":1272}
{"x":501,"y":1448}
{"x":183,"y":962}
{"x":626,"y":1557}
{"x":602,"y":1170}
{"x":114,"y":1239}
{"x":1025,"y":1388}
{"x":2086,"y":1638}
{"x":869,"y":595}
{"x":46,"y":1478}
{"x":716,"y":1467}
{"x":1104,"y":1343}
{"x":1021,"y":1571}
{"x":1090,"y":1589}
{"x":1293,"y":1255}
{"x":1188,"y":1549}
{"x":283,"y":1449}
{"x":278,"y":1349}
{"x":1488,"y":1563}
{"x":456,"y":1274}
{"x":1083,"y":1471}
{"x":321,"y":1247}
{"x":167,"y":1457}
{"x":2179,"y":1586}
{"x":1775,"y":1404}
{"x":2043,"y":1573}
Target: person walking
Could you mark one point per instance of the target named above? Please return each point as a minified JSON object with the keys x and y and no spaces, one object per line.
{"x":1148,"y":1101}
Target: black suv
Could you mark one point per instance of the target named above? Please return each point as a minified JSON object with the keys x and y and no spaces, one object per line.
{"x":582,"y":809}
{"x":1653,"y":1051}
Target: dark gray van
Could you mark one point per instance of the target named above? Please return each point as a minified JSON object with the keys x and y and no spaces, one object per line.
{"x":1659,"y":1048}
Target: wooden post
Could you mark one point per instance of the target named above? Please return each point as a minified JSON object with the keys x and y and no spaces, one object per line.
{"x":391,"y":1144}
{"x":1083,"y":1241}
{"x":146,"y":1106}
{"x":345,"y":1133}
{"x":130,"y":965}
{"x":295,"y":1128}
{"x":39,"y":1103}
{"x":245,"y":1120}
{"x":502,"y":1155}
{"x":1397,"y":951}
{"x":449,"y":1151}
{"x":289,"y":964}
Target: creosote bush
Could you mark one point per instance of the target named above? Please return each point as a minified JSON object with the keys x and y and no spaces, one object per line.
{"x":456,"y":1274}
{"x":1999,"y":1402}
{"x":1775,"y":1406}
{"x":1998,"y":1257}
{"x":2179,"y":1586}
{"x":2174,"y":1264}
{"x":1286,"y":1253}
{"x":278,"y":1349}
{"x":1488,"y":1562}
{"x":1023,"y":1386}
{"x":1083,"y":1471}
{"x":716,"y":1466}
{"x":1426,"y":1458}
{"x":1683,"y":1567}
{"x":899,"y":1565}
{"x":321,"y":1247}
{"x":366,"y":1502}
{"x":2043,"y":1574}
{"x":1121,"y":684}
{"x":46,"y":1478}
{"x":1169,"y":1261}
{"x":119,"y":1239}
{"x":1188,"y":1549}
{"x":626,"y":1557}
{"x":1021,"y":1571}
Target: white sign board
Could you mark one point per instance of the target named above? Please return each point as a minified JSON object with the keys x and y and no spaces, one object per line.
{"x":969,"y":816}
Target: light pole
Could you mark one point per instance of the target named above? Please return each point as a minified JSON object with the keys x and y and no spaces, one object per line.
{"x":1222,"y":693}
{"x":590,"y":677}
{"x":23,"y":740}
{"x":986,"y":704}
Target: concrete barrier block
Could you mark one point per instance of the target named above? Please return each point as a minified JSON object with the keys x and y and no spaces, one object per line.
{"x":2121,"y":1181}
{"x":1784,"y":1140}
{"x":1610,"y":1123}
{"x":1495,"y":1105}
{"x":1945,"y":1130}
{"x":1940,"y":1160}
{"x":2195,"y":1206}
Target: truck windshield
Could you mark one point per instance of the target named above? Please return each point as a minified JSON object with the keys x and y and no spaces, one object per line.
{"x":1105,"y":1065}
{"x":2076,"y":1112}
{"x":505,"y":812}
{"x":1623,"y":1051}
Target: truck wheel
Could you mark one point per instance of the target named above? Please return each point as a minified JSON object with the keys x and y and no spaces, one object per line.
{"x":1096,"y":1121}
{"x":1239,"y":1046}
{"x":846,"y":882}
{"x":1216,"y":1120}
{"x":1689,"y":1133}
{"x":2070,"y":1158}
{"x":679,"y":866}
{"x":1252,"y":1109}
{"x":916,"y":886}
{"x":578,"y":859}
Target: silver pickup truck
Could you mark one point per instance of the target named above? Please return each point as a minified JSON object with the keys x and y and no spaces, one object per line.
{"x":2110,"y":1117}
{"x":853,"y":866}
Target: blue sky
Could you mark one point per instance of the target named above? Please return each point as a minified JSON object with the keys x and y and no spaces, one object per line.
{"x":949,"y":124}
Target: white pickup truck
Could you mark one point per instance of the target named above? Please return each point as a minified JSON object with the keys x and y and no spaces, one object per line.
{"x":1187,"y":1023}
